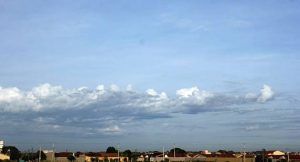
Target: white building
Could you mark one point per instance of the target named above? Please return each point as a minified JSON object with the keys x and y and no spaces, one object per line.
{"x":1,"y":145}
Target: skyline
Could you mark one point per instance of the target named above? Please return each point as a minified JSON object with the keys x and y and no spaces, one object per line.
{"x":147,"y":74}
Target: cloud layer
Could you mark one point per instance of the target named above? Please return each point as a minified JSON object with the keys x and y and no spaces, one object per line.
{"x":48,"y":109}
{"x":47,"y":97}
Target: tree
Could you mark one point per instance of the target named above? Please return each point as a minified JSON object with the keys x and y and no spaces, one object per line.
{"x":12,"y":151}
{"x":71,"y":158}
{"x":43,"y":155}
{"x":111,"y":149}
{"x":128,"y":154}
{"x":28,"y":156}
{"x":135,"y":155}
{"x":77,"y":154}
{"x":178,"y":150}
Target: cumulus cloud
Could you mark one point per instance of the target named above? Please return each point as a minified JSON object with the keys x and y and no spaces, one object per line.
{"x":194,"y":95}
{"x":103,"y":109}
{"x":47,"y":97}
{"x":266,"y":94}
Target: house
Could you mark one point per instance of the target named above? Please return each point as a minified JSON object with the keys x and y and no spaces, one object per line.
{"x":159,"y":156}
{"x":228,"y":158}
{"x":294,"y":158}
{"x":141,"y":158}
{"x":275,"y":155}
{"x":285,"y":157}
{"x":274,"y":152}
{"x":49,"y":154}
{"x":207,"y":157}
{"x":63,"y":156}
{"x":4,"y":157}
{"x":104,"y":157}
{"x":1,"y":145}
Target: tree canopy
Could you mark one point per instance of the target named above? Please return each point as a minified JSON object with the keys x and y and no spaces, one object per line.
{"x":12,"y":151}
{"x":43,"y":155}
{"x":26,"y":156}
{"x":71,"y":158}
{"x":111,"y":149}
{"x":128,"y":154}
{"x":178,"y":150}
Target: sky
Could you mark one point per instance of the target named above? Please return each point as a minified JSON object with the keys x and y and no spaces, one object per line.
{"x":85,"y":75}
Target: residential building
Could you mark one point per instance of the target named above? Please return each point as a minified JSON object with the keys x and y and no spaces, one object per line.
{"x":228,"y":158}
{"x":63,"y":156}
{"x":275,"y":155}
{"x":104,"y":157}
{"x":208,"y":157}
{"x":1,"y":145}
{"x":4,"y":157}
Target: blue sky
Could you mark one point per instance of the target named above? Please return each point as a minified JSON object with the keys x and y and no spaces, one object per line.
{"x":147,"y":74}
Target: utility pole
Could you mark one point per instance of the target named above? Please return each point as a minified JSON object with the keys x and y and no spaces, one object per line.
{"x":118,"y":152}
{"x":263,"y":156}
{"x":40,"y":154}
{"x":174,"y":151}
{"x":53,"y":155}
{"x":244,"y":154}
{"x":288,"y":157}
{"x":163,"y":154}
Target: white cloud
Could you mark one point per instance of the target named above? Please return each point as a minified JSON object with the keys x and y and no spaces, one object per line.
{"x":129,"y":87}
{"x":10,"y":94}
{"x":112,"y":129}
{"x":46,"y":97}
{"x":101,"y":110}
{"x":151,"y":92}
{"x":114,"y":88}
{"x":266,"y":94}
{"x":46,"y":90}
{"x":100,"y":88}
{"x":194,"y":95}
{"x":251,"y":96}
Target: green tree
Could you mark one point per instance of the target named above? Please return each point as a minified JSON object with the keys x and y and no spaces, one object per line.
{"x":111,"y":149}
{"x":71,"y":158}
{"x":77,"y":154}
{"x":128,"y":154}
{"x":178,"y":150}
{"x":12,"y":151}
{"x":27,"y":156}
{"x":135,"y":156}
{"x":43,"y":155}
